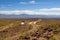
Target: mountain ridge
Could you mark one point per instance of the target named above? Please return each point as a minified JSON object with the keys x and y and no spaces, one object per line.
{"x":28,"y":16}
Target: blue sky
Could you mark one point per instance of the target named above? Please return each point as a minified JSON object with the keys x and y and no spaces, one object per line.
{"x":25,"y":6}
{"x":16,"y":5}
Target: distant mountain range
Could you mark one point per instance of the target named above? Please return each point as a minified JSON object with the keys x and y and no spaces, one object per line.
{"x":29,"y":16}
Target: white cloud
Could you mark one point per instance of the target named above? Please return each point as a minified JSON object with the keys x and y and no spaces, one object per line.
{"x":50,"y":9}
{"x":23,"y":3}
{"x":17,"y":12}
{"x":44,"y":11}
{"x":30,"y":2}
{"x":34,"y":2}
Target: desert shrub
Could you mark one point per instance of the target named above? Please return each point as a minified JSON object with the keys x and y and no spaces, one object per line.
{"x":1,"y":38}
{"x":30,"y":27}
{"x":24,"y":36}
{"x":54,"y":24}
{"x":52,"y":38}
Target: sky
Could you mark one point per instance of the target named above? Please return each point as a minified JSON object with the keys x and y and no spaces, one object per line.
{"x":33,"y":7}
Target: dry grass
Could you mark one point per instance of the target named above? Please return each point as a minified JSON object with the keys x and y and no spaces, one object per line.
{"x":22,"y":30}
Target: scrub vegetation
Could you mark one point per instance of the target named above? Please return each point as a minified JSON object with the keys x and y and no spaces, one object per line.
{"x":32,"y":29}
